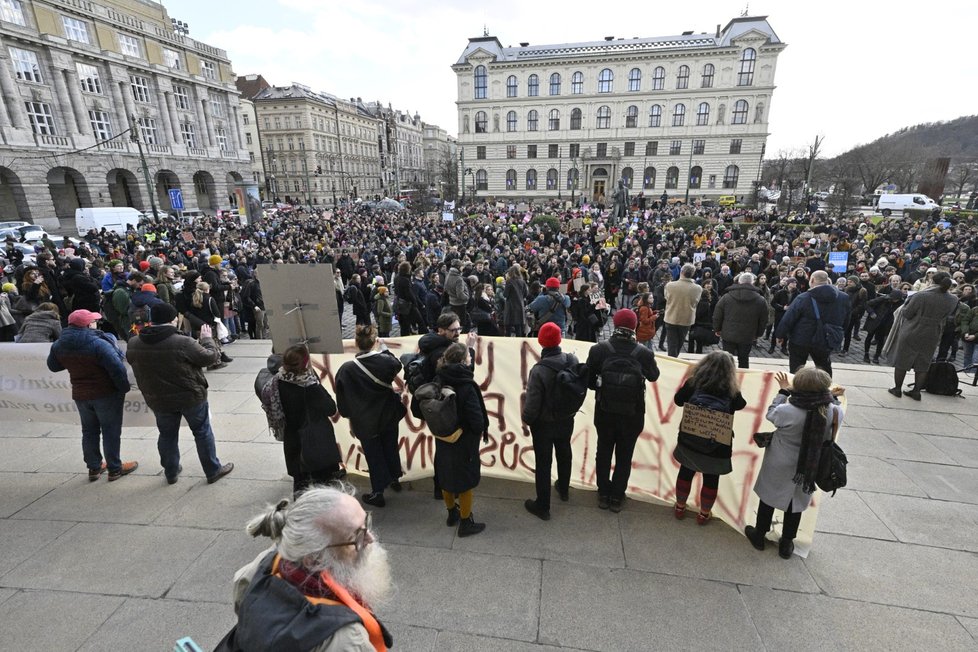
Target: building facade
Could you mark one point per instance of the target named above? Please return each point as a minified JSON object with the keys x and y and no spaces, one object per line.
{"x":80,"y":80}
{"x":682,"y":115}
{"x":440,"y":162}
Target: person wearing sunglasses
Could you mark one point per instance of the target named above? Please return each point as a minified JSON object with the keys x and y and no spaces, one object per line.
{"x":326,"y":555}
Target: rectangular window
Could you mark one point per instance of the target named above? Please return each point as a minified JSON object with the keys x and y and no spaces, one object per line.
{"x":130,"y":45}
{"x":75,"y":30}
{"x":147,"y":131}
{"x":172,"y":59}
{"x":699,"y":146}
{"x":553,"y":151}
{"x":652,"y":148}
{"x":675,"y":148}
{"x":268,"y":125}
{"x":101,"y":127}
{"x":278,"y":123}
{"x":208,"y":69}
{"x":25,"y":65}
{"x":140,"y":88}
{"x":713,"y":181}
{"x":510,"y":151}
{"x":222,"y":139}
{"x":39,"y":114}
{"x":89,"y":79}
{"x":480,"y":152}
{"x":602,"y":150}
{"x":217,"y":109}
{"x":12,"y":11}
{"x":288,"y":122}
{"x":575,"y":150}
{"x":531,"y":151}
{"x":247,"y":138}
{"x":629,"y":149}
{"x":182,"y":95}
{"x":735,"y":145}
{"x":189,"y":134}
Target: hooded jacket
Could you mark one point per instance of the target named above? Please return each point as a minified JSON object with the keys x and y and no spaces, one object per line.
{"x":798,"y":323}
{"x":457,"y":288}
{"x":41,"y":326}
{"x":168,"y":367}
{"x":741,"y":314}
{"x":95,"y":364}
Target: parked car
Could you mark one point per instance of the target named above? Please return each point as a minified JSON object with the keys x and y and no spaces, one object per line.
{"x":13,"y":225}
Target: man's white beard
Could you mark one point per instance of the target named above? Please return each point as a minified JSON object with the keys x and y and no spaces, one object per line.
{"x":369,"y":577}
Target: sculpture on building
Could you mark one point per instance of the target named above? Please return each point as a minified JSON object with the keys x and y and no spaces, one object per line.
{"x":619,"y":211}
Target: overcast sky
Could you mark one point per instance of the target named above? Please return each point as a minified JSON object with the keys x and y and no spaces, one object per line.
{"x":852,"y":71}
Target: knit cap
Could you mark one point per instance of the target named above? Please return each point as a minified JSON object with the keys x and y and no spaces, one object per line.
{"x":549,"y":335}
{"x":215,"y":260}
{"x":625,"y":319}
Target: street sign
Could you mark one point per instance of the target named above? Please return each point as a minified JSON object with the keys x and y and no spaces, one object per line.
{"x":176,"y":199}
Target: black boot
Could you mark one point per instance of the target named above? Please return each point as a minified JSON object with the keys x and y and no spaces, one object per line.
{"x":225,"y":359}
{"x":467,"y":527}
{"x":755,"y":536}
{"x":866,"y":358}
{"x":532,"y":507}
{"x":785,"y":548}
{"x":453,"y":517}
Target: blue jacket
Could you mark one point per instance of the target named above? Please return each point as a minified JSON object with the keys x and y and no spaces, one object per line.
{"x":542,"y":304}
{"x":95,"y":364}
{"x":798,"y":323}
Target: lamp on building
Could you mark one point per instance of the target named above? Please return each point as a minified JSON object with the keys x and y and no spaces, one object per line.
{"x":179,"y":27}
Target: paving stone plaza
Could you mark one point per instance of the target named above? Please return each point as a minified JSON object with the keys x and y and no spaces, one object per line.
{"x":137,"y":564}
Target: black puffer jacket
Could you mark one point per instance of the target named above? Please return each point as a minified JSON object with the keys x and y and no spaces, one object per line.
{"x":537,"y":405}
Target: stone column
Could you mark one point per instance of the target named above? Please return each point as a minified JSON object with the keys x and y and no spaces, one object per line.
{"x":77,"y":101}
{"x":239,"y":134}
{"x":171,"y":107}
{"x":164,"y":112}
{"x":208,"y":123}
{"x":126,"y":90}
{"x":10,"y":96}
{"x":199,"y":113}
{"x":71,"y":119}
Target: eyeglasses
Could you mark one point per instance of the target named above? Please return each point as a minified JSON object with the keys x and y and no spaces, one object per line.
{"x":455,"y":330}
{"x":359,"y":538}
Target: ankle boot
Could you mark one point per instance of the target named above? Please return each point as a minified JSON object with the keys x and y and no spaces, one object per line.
{"x":866,"y":358}
{"x":755,"y":536}
{"x":453,"y":517}
{"x":785,"y":548}
{"x":467,"y":526}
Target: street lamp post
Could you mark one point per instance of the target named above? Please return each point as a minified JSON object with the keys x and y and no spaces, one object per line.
{"x":560,"y":173}
{"x":689,"y":171}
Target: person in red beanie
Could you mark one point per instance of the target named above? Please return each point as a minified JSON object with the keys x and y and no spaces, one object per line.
{"x":618,"y":369}
{"x":550,"y":428}
{"x":550,"y":306}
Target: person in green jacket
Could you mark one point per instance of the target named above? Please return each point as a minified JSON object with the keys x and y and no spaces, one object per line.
{"x":966,"y":323}
{"x":383,"y":311}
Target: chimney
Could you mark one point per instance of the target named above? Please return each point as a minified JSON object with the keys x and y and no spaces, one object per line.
{"x":524,"y":44}
{"x":609,"y":38}
{"x":718,"y":30}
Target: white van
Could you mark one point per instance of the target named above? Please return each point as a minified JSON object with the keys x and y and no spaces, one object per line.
{"x":889,"y":204}
{"x":116,"y":219}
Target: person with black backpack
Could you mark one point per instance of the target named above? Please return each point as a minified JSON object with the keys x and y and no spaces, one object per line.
{"x":555,"y":391}
{"x":713,"y":388}
{"x":618,"y":369}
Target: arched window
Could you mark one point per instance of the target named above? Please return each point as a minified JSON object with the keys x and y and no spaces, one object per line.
{"x":604,"y":118}
{"x":739,"y":114}
{"x":627,"y":174}
{"x":606,"y":80}
{"x":510,"y":179}
{"x":658,"y":78}
{"x":533,"y":86}
{"x":679,"y":115}
{"x":511,"y":121}
{"x":655,"y":116}
{"x":707,"y":80}
{"x":649,"y":178}
{"x":572,"y":176}
{"x":511,"y":86}
{"x":703,"y":114}
{"x":553,"y":121}
{"x":730,"y":177}
{"x":481,"y":82}
{"x":746,"y":75}
{"x":531,"y":120}
{"x":555,"y":84}
{"x":682,"y":77}
{"x":631,"y":116}
{"x":695,"y":177}
{"x":551,"y":179}
{"x":577,"y":83}
{"x":481,"y":180}
{"x":575,"y":119}
{"x":672,"y":178}
{"x":481,"y":122}
{"x":531,"y":179}
{"x":635,"y":79}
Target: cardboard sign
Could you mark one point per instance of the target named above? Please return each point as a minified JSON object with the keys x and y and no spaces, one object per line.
{"x":187,"y":236}
{"x":839,"y":261}
{"x":301,"y":307}
{"x":576,"y":224}
{"x":708,"y":424}
{"x":447,"y":217}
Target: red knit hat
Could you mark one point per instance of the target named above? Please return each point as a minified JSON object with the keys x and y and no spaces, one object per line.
{"x":143,"y":265}
{"x":147,"y":287}
{"x":549,"y":335}
{"x":625,"y":319}
{"x":553,"y":283}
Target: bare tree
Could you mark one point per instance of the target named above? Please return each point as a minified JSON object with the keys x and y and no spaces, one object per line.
{"x":845,"y":181}
{"x":873,"y":165}
{"x":813,"y":151}
{"x":963,"y":174}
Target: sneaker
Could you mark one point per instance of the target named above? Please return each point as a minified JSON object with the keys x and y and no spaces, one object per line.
{"x":223,"y":471}
{"x":703,"y":518}
{"x":679,"y":511}
{"x":914,"y":394}
{"x":125,"y":469}
{"x":895,"y":391}
{"x":375,"y":499}
{"x":467,"y":527}
{"x":453,"y":517}
{"x":563,"y":493}
{"x":95,"y":474}
{"x":172,"y":479}
{"x":785,"y":548}
{"x":531,"y":506}
{"x":755,"y":536}
{"x":225,"y":359}
{"x":602,"y":502}
{"x":615,"y":505}
{"x":396,"y":486}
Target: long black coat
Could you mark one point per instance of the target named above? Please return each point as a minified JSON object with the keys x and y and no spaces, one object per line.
{"x":296,"y":403}
{"x":457,"y":465}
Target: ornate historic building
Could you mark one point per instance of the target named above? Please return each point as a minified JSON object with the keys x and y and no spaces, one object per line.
{"x":683,"y":115}
{"x":81,"y":80}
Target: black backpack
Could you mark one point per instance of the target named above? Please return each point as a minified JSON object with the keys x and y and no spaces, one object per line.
{"x":942,"y":379}
{"x":569,"y":388}
{"x":621,"y":384}
{"x":414,"y":376}
{"x":439,"y":407}
{"x":831,"y":474}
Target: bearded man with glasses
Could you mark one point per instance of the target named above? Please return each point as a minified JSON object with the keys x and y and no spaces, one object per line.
{"x":317,"y":587}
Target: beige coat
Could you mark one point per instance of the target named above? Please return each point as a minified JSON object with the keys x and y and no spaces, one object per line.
{"x":681,"y":299}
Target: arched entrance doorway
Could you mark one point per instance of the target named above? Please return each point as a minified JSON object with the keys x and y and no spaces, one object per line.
{"x":124,"y":188}
{"x":204,"y":189}
{"x":68,"y":191}
{"x":166,"y":180}
{"x":233,"y":178}
{"x":599,"y":183}
{"x":13,"y":202}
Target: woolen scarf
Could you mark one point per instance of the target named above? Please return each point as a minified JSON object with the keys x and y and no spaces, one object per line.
{"x":816,"y":404}
{"x":274,"y":411}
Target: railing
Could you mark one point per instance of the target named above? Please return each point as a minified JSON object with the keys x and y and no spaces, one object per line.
{"x":196,"y":151}
{"x":82,"y":5}
{"x":158,"y":149}
{"x":229,"y":153}
{"x":54,"y":141}
{"x":113,"y":144}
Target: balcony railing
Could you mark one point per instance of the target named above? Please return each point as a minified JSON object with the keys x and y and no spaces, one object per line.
{"x":196,"y":151}
{"x":158,"y":149}
{"x":52,"y":141}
